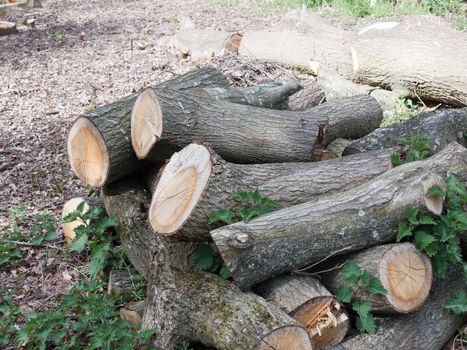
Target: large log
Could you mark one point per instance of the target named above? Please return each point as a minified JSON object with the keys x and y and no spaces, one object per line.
{"x":99,"y":145}
{"x":196,"y":182}
{"x":403,"y":271}
{"x":192,"y":305}
{"x":311,"y":304}
{"x":364,"y":216}
{"x":426,"y":329}
{"x":440,"y":127}
{"x":123,"y":283}
{"x":240,"y":133}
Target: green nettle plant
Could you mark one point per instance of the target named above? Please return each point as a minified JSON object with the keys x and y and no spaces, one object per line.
{"x":205,"y":259}
{"x":356,"y":279}
{"x":417,"y":149}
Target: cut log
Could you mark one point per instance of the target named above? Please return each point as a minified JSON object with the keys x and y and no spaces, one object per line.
{"x":440,"y":127}
{"x":123,"y":283}
{"x":265,"y":96}
{"x":133,"y":313}
{"x":364,"y":216}
{"x":7,"y":28}
{"x":196,"y":182}
{"x":99,"y":144}
{"x":310,"y":303}
{"x":338,"y":146}
{"x":311,"y":95}
{"x":71,"y":206}
{"x":239,"y":133}
{"x":427,"y":329}
{"x":403,"y":271}
{"x":186,"y":304}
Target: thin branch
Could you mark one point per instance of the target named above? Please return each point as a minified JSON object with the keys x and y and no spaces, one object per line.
{"x":338,"y":266}
{"x":29,"y":244}
{"x":326,"y":258}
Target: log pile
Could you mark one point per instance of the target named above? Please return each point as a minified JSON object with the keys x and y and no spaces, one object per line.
{"x":171,"y":155}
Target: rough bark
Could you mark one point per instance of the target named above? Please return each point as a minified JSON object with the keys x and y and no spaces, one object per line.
{"x":216,"y":180}
{"x":404,"y":272}
{"x":265,"y":96}
{"x":426,"y":329}
{"x":441,"y":127}
{"x":71,"y":206}
{"x":338,"y":146}
{"x":99,"y":143}
{"x":7,"y":28}
{"x":241,"y":133}
{"x":192,"y":305}
{"x":311,"y":95}
{"x":310,"y":303}
{"x":364,"y":216}
{"x":133,"y":313}
{"x":123,"y":283}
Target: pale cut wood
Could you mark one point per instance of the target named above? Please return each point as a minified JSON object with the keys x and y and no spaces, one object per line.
{"x":99,"y":144}
{"x":363,"y":216}
{"x":311,"y":304}
{"x":7,"y":28}
{"x":196,"y":182}
{"x":403,"y":271}
{"x":71,"y":206}
{"x":249,"y":134}
{"x":133,"y":313}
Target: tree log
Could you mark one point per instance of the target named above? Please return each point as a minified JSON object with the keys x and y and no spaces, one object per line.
{"x":71,"y":206}
{"x":440,"y":127}
{"x":99,"y":144}
{"x":7,"y":28}
{"x":310,"y":303}
{"x":364,"y":216}
{"x":264,"y":96}
{"x":133,"y":313}
{"x":243,"y":134}
{"x":196,"y":182}
{"x":402,"y":270}
{"x":311,"y":95}
{"x":186,"y":304}
{"x":123,"y":283}
{"x":426,"y":329}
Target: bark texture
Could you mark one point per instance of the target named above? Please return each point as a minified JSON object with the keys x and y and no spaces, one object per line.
{"x":286,"y":183}
{"x":426,"y":329}
{"x":440,"y":127}
{"x":247,"y":134}
{"x":123,"y":283}
{"x":7,"y":28}
{"x":311,"y":95}
{"x":110,"y":125}
{"x":364,"y":216}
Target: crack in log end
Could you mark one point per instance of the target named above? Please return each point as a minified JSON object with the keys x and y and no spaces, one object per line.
{"x":146,"y":123}
{"x":286,"y":338}
{"x":88,"y":153}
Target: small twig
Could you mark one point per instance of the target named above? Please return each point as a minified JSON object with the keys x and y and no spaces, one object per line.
{"x":29,"y":244}
{"x":338,"y":266}
{"x":326,"y":258}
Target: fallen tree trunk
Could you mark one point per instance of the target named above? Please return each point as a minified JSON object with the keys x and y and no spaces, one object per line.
{"x":364,"y":216}
{"x":310,"y":303}
{"x":440,"y":127}
{"x":403,"y":271}
{"x":243,"y":134}
{"x":71,"y":206}
{"x":426,"y":329}
{"x":99,"y":145}
{"x":311,"y":95}
{"x":196,"y":182}
{"x":192,"y":305}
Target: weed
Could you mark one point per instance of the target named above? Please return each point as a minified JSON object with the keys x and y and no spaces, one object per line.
{"x":416,"y":148}
{"x":59,"y":36}
{"x":404,"y":110}
{"x":204,"y":259}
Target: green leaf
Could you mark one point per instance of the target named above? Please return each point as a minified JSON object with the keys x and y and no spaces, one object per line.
{"x":412,"y":216}
{"x":365,"y":321}
{"x":203,"y":257}
{"x":426,"y":220}
{"x":344,"y":293}
{"x":454,"y":185}
{"x":50,"y":236}
{"x":457,"y":303}
{"x":404,"y":231}
{"x":376,"y":287}
{"x":423,"y":239}
{"x":435,"y":191}
{"x":362,"y":307}
{"x":98,"y":259}
{"x":364,"y":280}
{"x":105,"y":223}
{"x":79,"y":243}
{"x":396,"y":159}
{"x":246,"y":214}
{"x":221,"y":215}
{"x":38,"y":240}
{"x":224,"y":272}
{"x":351,"y":272}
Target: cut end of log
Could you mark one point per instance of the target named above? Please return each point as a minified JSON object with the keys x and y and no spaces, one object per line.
{"x":88,"y":153}
{"x":146,"y":123}
{"x":325,"y":319}
{"x":182,"y":183}
{"x":286,"y":338}
{"x":407,"y":275}
{"x":434,"y":204}
{"x":355,"y":63}
{"x":69,"y":207}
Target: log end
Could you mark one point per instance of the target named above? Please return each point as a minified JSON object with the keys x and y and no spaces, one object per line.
{"x":325,"y":320}
{"x":286,"y":338}
{"x":146,"y":123}
{"x":181,"y":184}
{"x":69,"y":207}
{"x":407,"y":275}
{"x":88,"y":153}
{"x":434,"y":204}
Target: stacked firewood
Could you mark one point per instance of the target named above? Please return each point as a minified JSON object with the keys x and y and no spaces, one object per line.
{"x":169,"y":156}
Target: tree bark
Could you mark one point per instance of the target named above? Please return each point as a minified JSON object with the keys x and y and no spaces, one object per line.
{"x":310,"y":303}
{"x":7,"y":28}
{"x":426,"y":329}
{"x":243,"y":134}
{"x":265,"y":96}
{"x":440,"y":127}
{"x":311,"y":95}
{"x":403,"y":271}
{"x":123,"y":283}
{"x":196,"y":182}
{"x":364,"y":216}
{"x":99,"y":144}
{"x":133,"y":313}
{"x":192,"y":305}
